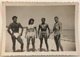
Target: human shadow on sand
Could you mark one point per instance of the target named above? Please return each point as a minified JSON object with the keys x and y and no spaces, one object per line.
{"x":52,"y":50}
{"x":18,"y":50}
{"x":42,"y":49}
{"x":31,"y":49}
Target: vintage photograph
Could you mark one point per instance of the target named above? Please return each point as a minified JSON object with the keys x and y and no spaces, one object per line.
{"x":40,"y":28}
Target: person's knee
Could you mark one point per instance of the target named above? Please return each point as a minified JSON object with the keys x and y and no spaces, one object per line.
{"x":33,"y":43}
{"x":13,"y":44}
{"x":45,"y":40}
{"x":41,"y":42}
{"x":27,"y":43}
{"x":22,"y":44}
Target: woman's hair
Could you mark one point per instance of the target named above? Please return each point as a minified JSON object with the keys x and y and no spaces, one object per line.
{"x":30,"y":21}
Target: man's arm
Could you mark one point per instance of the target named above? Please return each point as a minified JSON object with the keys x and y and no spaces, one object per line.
{"x":48,"y":29}
{"x":21,"y":29}
{"x":53,"y":30}
{"x":60,"y":27}
{"x":9,"y":29}
{"x":26,"y":31}
{"x":38,"y":30}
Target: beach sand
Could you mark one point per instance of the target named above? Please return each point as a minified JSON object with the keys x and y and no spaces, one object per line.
{"x":68,"y":43}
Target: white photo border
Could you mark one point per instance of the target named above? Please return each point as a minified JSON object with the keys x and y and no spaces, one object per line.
{"x":4,"y":4}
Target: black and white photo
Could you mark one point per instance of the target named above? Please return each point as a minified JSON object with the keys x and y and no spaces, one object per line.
{"x":40,"y":28}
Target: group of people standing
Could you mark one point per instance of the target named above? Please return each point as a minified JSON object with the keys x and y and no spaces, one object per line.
{"x":43,"y":32}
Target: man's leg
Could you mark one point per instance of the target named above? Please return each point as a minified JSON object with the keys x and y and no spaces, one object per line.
{"x":14,"y":43}
{"x":33,"y":43}
{"x":59,"y":43}
{"x":19,"y":39}
{"x":56,"y":42}
{"x":46,"y":42}
{"x":28,"y":42}
{"x":41,"y":41}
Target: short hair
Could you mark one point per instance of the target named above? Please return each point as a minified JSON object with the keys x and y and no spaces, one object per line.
{"x":56,"y":17}
{"x":30,"y":21}
{"x":43,"y":18}
{"x":14,"y":17}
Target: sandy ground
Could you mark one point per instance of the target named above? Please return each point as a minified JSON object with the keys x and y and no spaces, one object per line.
{"x":68,"y":45}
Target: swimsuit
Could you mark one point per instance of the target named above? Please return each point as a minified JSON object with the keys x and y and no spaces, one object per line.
{"x":31,"y":31}
{"x":43,"y":31}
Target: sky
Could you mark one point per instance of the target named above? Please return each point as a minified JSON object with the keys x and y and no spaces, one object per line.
{"x":66,"y":14}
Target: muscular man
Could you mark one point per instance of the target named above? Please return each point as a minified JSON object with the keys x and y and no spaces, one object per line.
{"x":31,"y":33}
{"x":42,"y":31}
{"x":14,"y":32}
{"x":57,"y":33}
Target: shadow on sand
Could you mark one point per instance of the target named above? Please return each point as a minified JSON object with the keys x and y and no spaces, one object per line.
{"x":42,"y":49}
{"x":52,"y":50}
{"x":31,"y":49}
{"x":19,"y":50}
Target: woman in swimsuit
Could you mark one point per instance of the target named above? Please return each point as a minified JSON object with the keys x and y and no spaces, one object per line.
{"x":31,"y":33}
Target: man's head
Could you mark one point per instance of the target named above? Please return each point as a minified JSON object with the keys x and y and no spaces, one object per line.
{"x":43,"y":20}
{"x":56,"y":19}
{"x":31,"y":21}
{"x":14,"y":18}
